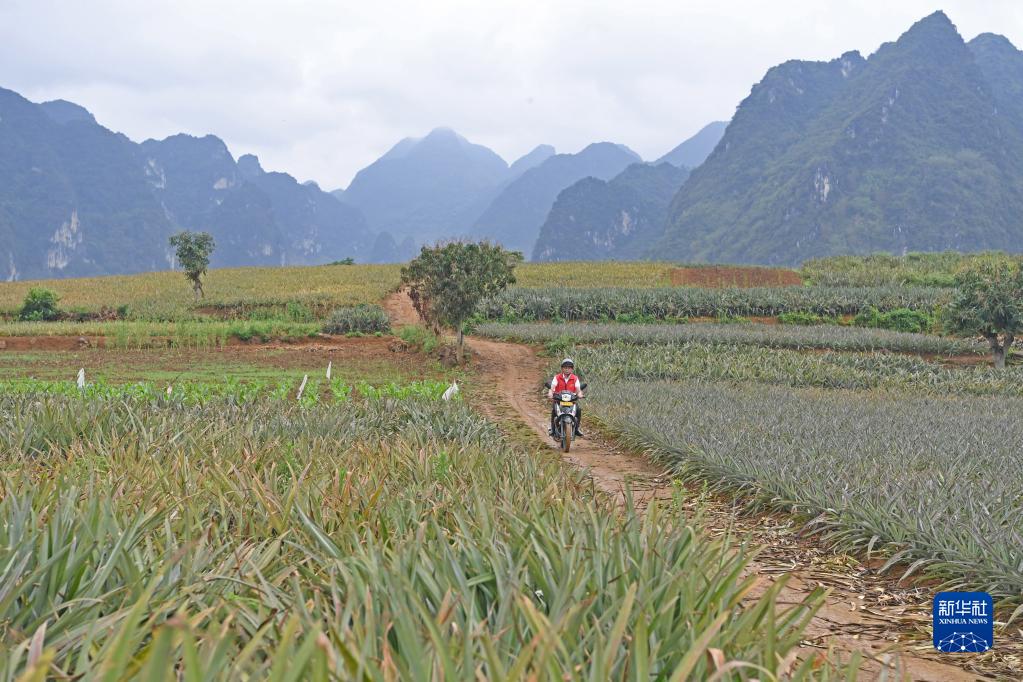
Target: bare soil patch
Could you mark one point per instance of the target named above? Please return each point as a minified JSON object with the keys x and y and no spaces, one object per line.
{"x":400,"y":309}
{"x":50,"y":343}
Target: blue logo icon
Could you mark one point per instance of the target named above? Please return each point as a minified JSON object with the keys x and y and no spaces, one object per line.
{"x":963,"y":622}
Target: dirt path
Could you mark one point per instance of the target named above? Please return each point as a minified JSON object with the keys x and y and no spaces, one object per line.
{"x":863,"y":612}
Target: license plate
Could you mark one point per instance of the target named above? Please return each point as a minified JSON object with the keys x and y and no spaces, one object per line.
{"x":567,"y":403}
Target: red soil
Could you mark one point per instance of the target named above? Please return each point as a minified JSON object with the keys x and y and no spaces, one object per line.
{"x":724,"y":276}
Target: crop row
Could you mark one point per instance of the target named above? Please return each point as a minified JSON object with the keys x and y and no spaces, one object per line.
{"x":831,"y":337}
{"x":307,"y":393}
{"x":828,"y":369}
{"x":268,"y":541}
{"x":934,"y":481}
{"x":136,"y":335}
{"x":881,"y":269}
{"x":519,"y":304}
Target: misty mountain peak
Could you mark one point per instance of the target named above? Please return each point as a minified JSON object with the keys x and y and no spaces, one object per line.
{"x":444,"y":139}
{"x":935,"y":21}
{"x":427,"y":188}
{"x":930,"y":33}
{"x":444,"y":133}
{"x":534,"y":158}
{"x":605,"y":148}
{"x":440,"y":140}
{"x":249,"y":166}
{"x":182,"y":142}
{"x":994,"y":42}
{"x":693,"y":151}
{"x":61,"y":111}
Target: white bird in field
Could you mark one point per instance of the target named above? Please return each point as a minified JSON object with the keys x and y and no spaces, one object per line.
{"x":451,"y":392}
{"x":302,"y":387}
{"x":329,"y":364}
{"x":169,"y":390}
{"x":81,"y":378}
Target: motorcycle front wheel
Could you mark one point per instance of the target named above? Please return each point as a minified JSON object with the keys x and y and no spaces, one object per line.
{"x":566,"y":436}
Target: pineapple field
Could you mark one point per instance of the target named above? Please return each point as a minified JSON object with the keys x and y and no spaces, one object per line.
{"x":289,"y":481}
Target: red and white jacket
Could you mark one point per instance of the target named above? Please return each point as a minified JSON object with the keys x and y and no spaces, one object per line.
{"x":560,"y":383}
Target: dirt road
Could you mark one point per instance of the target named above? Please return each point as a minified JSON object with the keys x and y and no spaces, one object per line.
{"x":863,"y":612}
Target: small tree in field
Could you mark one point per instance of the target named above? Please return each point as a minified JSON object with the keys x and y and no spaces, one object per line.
{"x":193,"y":250}
{"x":40,"y":305}
{"x":447,"y":282}
{"x":989,"y":303}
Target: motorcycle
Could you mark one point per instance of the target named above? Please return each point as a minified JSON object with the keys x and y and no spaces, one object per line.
{"x":566,"y":420}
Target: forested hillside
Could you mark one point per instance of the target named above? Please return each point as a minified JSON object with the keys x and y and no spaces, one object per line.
{"x":915,"y":149}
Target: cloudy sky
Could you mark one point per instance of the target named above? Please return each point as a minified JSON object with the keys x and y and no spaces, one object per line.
{"x":320,"y":89}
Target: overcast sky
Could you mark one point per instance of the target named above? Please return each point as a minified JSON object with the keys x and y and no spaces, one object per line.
{"x":320,"y":89}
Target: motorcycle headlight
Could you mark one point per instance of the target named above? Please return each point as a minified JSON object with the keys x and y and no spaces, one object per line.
{"x":566,"y":396}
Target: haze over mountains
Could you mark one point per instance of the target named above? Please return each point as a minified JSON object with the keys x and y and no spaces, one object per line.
{"x":515,"y":215}
{"x":617,"y":219}
{"x":694,"y":151}
{"x":917,"y":147}
{"x":77,"y":199}
{"x":426,"y":188}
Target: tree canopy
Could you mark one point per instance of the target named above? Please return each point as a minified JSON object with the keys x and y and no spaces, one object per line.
{"x":193,"y":251}
{"x":446,"y":282}
{"x":989,"y":303}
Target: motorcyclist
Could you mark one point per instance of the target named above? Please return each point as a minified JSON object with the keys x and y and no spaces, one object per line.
{"x":566,"y":380}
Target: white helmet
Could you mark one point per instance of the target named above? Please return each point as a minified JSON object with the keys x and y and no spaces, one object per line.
{"x":569,"y":362}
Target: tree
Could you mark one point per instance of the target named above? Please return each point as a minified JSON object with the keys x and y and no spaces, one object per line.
{"x":446,"y":282}
{"x":989,"y":303}
{"x":193,"y":250}
{"x":40,"y":305}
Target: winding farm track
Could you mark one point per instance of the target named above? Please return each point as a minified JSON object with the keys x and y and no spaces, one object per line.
{"x":863,"y":612}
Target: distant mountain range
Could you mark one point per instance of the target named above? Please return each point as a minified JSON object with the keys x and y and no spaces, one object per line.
{"x":618,"y":219}
{"x":77,"y":199}
{"x":514,"y":217}
{"x":426,"y":188}
{"x":917,"y":148}
{"x":443,"y":186}
{"x":697,"y":148}
{"x":621,"y":218}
